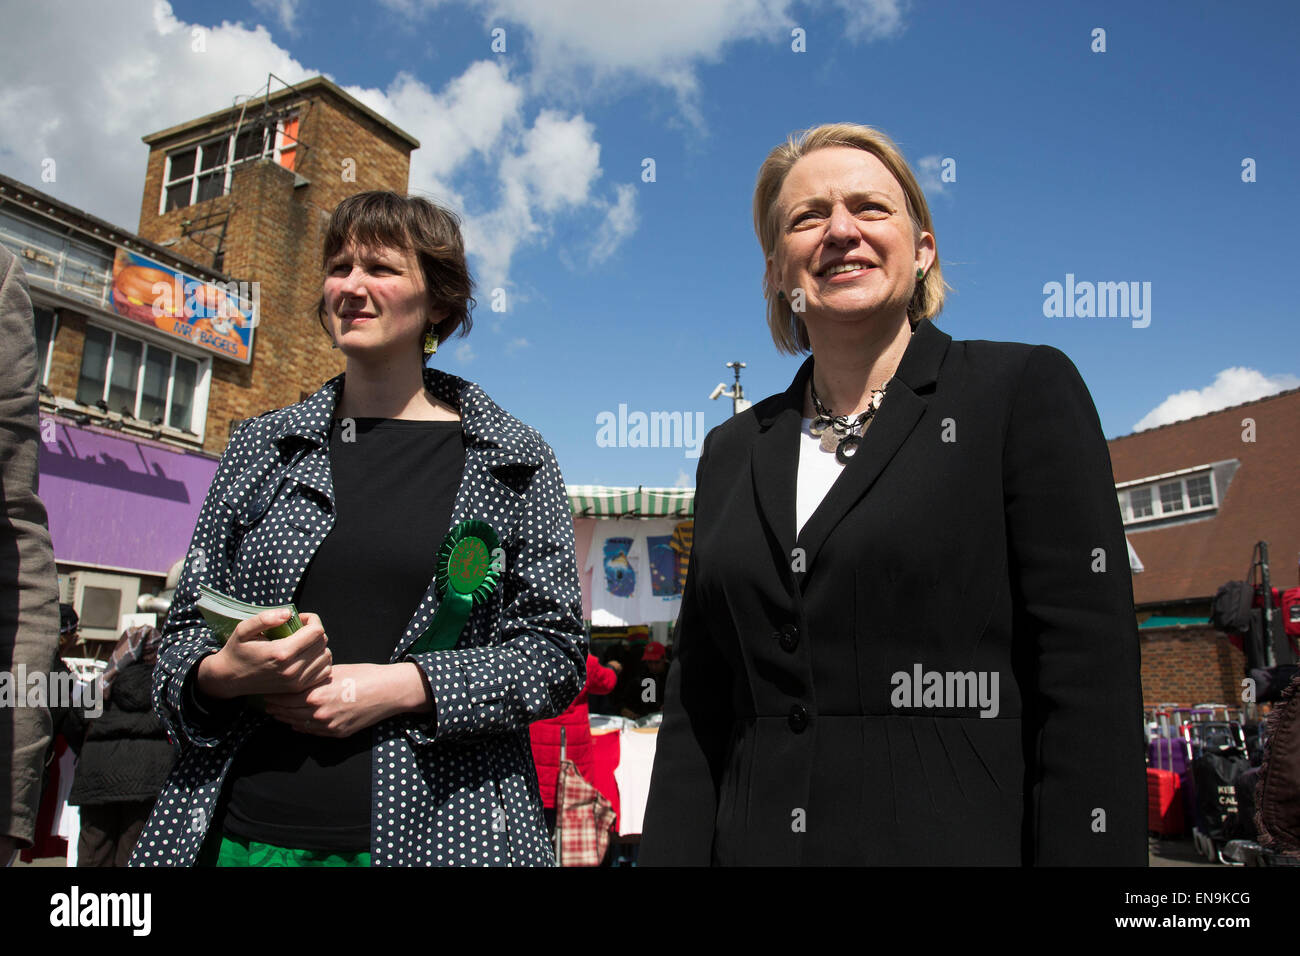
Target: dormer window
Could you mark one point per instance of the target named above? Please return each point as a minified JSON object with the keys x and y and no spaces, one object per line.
{"x":1187,"y":493}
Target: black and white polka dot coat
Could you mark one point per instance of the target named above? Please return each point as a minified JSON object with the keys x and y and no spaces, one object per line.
{"x":453,"y":788}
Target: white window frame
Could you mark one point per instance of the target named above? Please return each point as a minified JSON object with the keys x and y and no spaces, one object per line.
{"x":202,"y":381}
{"x":273,"y":144}
{"x":1153,"y":485}
{"x":44,"y":378}
{"x":1187,"y":495}
{"x":1128,"y":502}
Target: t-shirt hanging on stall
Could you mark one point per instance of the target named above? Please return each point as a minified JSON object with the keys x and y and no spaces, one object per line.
{"x":661,"y":600}
{"x":617,"y":562}
{"x":683,"y":538}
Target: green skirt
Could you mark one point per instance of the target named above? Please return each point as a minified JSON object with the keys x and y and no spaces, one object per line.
{"x":236,"y":851}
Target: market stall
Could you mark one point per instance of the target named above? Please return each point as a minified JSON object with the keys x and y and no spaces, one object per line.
{"x":633,"y":547}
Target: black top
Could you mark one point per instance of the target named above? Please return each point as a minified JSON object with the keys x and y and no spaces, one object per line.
{"x":394,"y":486}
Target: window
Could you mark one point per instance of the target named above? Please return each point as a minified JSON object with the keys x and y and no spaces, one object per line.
{"x":213,"y":160}
{"x":1140,"y":500}
{"x":57,"y":261}
{"x":46,"y":324}
{"x":124,"y":375}
{"x":1171,"y":497}
{"x":1168,"y":496}
{"x":139,"y":381}
{"x":202,"y":172}
{"x":1199,"y":493}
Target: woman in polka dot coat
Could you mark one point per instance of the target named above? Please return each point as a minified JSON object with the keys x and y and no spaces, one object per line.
{"x":452,"y":778}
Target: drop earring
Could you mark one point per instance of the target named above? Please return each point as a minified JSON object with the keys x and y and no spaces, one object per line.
{"x":430,"y":344}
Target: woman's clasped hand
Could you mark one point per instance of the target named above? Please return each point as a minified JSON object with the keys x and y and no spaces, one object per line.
{"x":300,"y":683}
{"x":249,"y":663}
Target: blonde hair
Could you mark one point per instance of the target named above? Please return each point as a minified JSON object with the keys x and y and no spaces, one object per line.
{"x":788,"y":330}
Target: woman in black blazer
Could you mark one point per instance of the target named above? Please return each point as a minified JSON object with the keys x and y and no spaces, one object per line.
{"x":908,"y":634}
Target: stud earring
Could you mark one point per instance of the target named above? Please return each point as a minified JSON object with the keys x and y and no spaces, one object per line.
{"x":920,"y":273}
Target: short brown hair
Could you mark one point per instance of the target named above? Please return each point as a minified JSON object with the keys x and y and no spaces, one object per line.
{"x":410,"y":224}
{"x":788,"y":330}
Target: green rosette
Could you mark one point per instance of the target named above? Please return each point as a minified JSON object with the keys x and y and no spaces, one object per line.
{"x":466,"y":577}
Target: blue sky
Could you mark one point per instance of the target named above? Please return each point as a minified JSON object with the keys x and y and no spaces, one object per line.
{"x":1123,"y":165}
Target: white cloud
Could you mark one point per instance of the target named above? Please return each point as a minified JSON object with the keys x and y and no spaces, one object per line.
{"x":683,"y":480}
{"x":558,"y":163}
{"x":1232,"y":386}
{"x":515,"y":344}
{"x":140,"y":69}
{"x":286,"y":11}
{"x":469,"y":117}
{"x":464,"y":353}
{"x":872,"y":19}
{"x":122,"y":70}
{"x":928,"y":171}
{"x":552,"y":169}
{"x":619,"y":223}
{"x":580,"y":46}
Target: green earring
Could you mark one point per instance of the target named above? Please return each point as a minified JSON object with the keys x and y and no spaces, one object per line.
{"x":920,"y":273}
{"x":430,"y":341}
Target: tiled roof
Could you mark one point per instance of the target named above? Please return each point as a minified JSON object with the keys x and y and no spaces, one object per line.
{"x":1262,"y":502}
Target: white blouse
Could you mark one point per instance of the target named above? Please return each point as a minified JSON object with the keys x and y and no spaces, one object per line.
{"x":818,"y":470}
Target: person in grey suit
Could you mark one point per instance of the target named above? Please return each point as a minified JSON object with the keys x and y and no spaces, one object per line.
{"x":29,"y":602}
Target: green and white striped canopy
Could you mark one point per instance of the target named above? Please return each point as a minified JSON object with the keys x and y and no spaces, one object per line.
{"x":597,"y":501}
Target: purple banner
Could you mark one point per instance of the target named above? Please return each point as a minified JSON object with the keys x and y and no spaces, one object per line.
{"x":119,"y":502}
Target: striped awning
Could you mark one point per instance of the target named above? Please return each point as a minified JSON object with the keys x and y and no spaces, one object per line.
{"x":598,"y":501}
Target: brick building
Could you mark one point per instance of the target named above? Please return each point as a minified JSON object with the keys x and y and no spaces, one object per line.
{"x":249,"y":191}
{"x":154,"y":344}
{"x":1196,"y":496}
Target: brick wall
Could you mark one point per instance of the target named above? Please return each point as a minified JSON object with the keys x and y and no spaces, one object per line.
{"x":65,"y":356}
{"x":1190,"y":665}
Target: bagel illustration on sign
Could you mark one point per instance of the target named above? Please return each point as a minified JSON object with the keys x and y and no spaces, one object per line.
{"x":135,"y":298}
{"x":217,"y":311}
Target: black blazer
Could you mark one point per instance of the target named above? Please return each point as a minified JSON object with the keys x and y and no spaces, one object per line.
{"x":975,"y":534}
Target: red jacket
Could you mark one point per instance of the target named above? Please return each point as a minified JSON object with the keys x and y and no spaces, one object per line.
{"x":577,"y":721}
